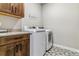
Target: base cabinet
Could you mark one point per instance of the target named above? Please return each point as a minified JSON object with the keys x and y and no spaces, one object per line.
{"x":16,"y":47}
{"x":7,"y":50}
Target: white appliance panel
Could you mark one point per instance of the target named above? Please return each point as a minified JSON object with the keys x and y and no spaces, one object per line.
{"x":39,"y":43}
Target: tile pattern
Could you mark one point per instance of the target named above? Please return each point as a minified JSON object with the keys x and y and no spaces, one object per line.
{"x":57,"y":51}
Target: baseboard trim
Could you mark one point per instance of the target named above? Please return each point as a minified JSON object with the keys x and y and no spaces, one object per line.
{"x":65,"y":47}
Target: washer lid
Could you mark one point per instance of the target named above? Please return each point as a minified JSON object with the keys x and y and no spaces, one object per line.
{"x":35,"y":30}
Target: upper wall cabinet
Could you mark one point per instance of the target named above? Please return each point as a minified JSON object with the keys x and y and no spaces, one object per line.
{"x":12,"y":9}
{"x":5,"y":7}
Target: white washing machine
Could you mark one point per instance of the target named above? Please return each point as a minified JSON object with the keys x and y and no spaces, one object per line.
{"x":49,"y":39}
{"x":37,"y":42}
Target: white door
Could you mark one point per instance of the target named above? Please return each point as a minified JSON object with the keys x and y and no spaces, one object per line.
{"x":39,"y":43}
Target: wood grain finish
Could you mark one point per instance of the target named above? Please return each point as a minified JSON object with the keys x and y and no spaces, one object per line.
{"x":12,"y":9}
{"x":15,"y":45}
{"x":5,"y":7}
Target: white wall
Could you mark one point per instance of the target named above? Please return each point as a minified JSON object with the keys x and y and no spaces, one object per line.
{"x":10,"y":22}
{"x":32,"y":9}
{"x":63,"y":19}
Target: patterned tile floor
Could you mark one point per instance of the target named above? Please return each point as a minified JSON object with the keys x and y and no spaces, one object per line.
{"x":57,"y":51}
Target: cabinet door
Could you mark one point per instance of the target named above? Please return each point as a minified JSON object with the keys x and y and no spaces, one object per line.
{"x":5,"y":7}
{"x":21,"y":9}
{"x":14,"y":8}
{"x":7,"y":50}
{"x":26,"y":47}
{"x":22,"y":48}
{"x":17,"y":9}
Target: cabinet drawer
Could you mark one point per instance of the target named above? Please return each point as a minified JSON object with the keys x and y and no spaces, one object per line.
{"x":11,"y":38}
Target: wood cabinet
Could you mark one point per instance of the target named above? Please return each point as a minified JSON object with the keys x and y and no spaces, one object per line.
{"x":18,"y":45}
{"x":5,"y":7}
{"x":12,"y":9}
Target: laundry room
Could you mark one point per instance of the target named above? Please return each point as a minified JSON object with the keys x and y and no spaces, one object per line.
{"x":39,"y":29}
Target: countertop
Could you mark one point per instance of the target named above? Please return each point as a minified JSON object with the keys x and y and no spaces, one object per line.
{"x":12,"y":33}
